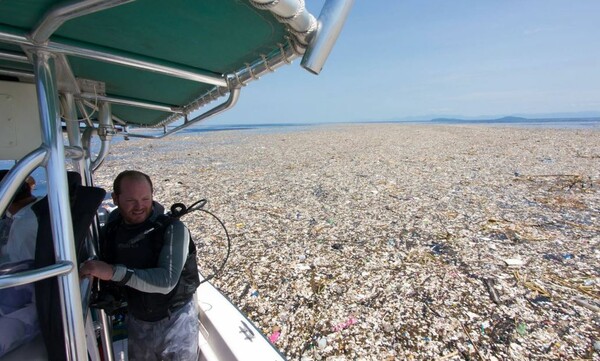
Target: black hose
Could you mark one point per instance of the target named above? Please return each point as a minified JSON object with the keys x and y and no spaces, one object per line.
{"x":179,"y":209}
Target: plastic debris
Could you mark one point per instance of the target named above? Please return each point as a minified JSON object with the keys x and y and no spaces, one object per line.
{"x":341,"y":326}
{"x":322,"y":342}
{"x":514,"y":262}
{"x":449,"y":186}
{"x":521,"y":329}
{"x":541,"y":299}
{"x":587,"y":305}
{"x":588,"y":283}
{"x":484,"y":326}
{"x":552,"y":257}
{"x":489,"y":284}
{"x":274,"y":336}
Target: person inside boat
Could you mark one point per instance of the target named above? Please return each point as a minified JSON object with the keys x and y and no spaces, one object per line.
{"x":151,"y":257}
{"x":18,"y":227}
{"x":18,"y":231}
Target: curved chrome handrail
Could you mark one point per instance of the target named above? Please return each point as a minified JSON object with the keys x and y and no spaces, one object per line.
{"x":34,"y":275}
{"x":13,"y":180}
{"x":230,"y":102}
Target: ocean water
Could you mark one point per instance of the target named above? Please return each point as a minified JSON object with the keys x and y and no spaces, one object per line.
{"x":256,"y":128}
{"x":556,"y":123}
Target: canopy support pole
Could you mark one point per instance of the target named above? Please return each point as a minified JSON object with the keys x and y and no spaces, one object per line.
{"x":74,"y":134}
{"x":60,"y":213}
{"x":329,"y":25}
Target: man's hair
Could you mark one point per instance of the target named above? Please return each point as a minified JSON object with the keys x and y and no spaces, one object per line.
{"x":24,"y":190}
{"x":131,"y":174}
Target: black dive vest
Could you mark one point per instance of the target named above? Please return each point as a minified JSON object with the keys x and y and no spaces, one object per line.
{"x":143,"y":252}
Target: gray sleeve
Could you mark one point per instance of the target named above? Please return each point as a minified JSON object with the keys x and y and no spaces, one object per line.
{"x":163,"y":278}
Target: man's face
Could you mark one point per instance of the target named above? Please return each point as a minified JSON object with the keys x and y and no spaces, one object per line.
{"x":135,"y":200}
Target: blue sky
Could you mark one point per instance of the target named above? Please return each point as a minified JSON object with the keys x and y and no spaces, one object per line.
{"x":429,"y":58}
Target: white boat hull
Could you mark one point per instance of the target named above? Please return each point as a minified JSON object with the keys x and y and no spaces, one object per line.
{"x":225,"y":333}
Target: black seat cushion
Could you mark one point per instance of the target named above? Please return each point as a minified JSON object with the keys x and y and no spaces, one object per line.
{"x":84,"y":204}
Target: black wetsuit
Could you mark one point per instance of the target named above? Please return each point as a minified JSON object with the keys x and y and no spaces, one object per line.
{"x":155,"y":262}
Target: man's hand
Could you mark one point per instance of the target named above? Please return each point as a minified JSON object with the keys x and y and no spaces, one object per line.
{"x":98,"y":269}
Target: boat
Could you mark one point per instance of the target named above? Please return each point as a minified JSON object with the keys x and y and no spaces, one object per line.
{"x":77,"y":73}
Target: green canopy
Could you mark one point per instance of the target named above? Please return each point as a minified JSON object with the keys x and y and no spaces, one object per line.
{"x":154,"y":60}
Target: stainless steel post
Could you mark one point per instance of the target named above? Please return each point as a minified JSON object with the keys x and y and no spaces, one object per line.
{"x":329,"y":25}
{"x":60,"y":213}
{"x":106,"y":130}
{"x":73,"y":132}
{"x":105,"y":335}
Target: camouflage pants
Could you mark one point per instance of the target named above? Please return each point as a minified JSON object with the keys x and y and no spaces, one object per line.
{"x":173,"y":338}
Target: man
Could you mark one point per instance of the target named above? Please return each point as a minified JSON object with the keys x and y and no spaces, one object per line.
{"x":152,"y":257}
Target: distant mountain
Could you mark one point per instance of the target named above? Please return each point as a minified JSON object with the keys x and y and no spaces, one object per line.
{"x":445,"y":118}
{"x":509,"y":119}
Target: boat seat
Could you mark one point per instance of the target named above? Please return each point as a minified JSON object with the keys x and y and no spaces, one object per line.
{"x":31,"y":351}
{"x":84,"y":205}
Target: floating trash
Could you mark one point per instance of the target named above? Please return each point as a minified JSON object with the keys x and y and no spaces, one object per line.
{"x":514,"y":262}
{"x":273,"y":337}
{"x":553,"y":257}
{"x":541,"y":299}
{"x":426,"y":217}
{"x":341,"y":326}
{"x":521,"y":329}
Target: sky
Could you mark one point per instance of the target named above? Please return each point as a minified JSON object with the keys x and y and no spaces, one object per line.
{"x":423,"y":59}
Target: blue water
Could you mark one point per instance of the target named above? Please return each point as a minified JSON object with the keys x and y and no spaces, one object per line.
{"x":556,"y":123}
{"x":261,"y":128}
